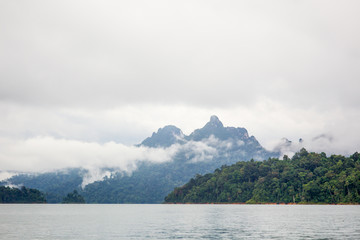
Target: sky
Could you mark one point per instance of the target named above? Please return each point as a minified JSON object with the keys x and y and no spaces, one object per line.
{"x":84,"y":80}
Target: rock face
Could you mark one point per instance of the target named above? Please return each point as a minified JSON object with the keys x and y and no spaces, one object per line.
{"x":203,"y":151}
{"x":216,"y":128}
{"x":164,"y":137}
{"x":230,"y":143}
{"x":170,"y":134}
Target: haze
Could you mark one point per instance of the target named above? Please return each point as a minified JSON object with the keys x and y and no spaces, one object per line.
{"x":100,"y":76}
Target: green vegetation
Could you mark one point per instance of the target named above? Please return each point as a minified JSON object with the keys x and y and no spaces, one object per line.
{"x":151,"y":182}
{"x":23,"y":195}
{"x":73,"y":197}
{"x":55,"y":185}
{"x":305,"y":178}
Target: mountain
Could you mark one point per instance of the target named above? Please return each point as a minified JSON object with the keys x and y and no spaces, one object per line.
{"x":164,"y":137}
{"x":306,"y":178}
{"x":203,"y":151}
{"x":215,"y":128}
{"x":230,"y":143}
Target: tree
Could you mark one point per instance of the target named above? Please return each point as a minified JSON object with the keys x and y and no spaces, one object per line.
{"x":73,"y":197}
{"x":306,"y":178}
{"x":23,"y":195}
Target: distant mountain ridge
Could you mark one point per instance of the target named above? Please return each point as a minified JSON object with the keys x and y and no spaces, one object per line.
{"x":203,"y":151}
{"x":170,"y":134}
{"x":238,"y":138}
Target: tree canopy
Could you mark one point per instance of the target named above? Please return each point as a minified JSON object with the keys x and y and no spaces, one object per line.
{"x":305,"y":178}
{"x":22,"y":195}
{"x":73,"y":197}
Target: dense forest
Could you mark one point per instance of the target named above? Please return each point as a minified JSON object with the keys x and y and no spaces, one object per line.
{"x":73,"y":197}
{"x":304,"y":178}
{"x":22,"y":195}
{"x":55,"y":185}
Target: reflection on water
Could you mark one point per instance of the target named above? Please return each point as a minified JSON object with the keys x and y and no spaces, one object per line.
{"x":179,"y":222}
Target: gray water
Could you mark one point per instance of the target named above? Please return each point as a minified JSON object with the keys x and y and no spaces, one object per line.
{"x":178,"y":222}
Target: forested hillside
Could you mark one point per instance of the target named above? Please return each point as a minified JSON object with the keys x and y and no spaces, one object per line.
{"x":201,"y":152}
{"x":55,"y":185}
{"x":23,"y":195}
{"x":73,"y":197}
{"x":305,"y":178}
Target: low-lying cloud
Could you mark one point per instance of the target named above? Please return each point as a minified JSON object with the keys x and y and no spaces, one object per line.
{"x":42,"y":154}
{"x":46,"y":154}
{"x":322,"y":143}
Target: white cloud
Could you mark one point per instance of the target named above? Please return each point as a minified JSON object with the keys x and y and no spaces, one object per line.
{"x":95,"y":72}
{"x":6,"y":175}
{"x":45,"y":154}
{"x":198,"y":151}
{"x":199,"y":53}
{"x":240,"y":143}
{"x":42,"y":154}
{"x":268,"y":121}
{"x":95,"y":174}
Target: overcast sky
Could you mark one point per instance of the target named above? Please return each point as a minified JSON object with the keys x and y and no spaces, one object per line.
{"x":94,"y":72}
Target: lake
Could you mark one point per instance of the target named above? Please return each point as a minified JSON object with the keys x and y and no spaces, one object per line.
{"x":117,"y":221}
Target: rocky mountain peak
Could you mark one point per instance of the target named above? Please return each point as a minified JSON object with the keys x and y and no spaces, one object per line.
{"x":164,"y":137}
{"x":215,"y":122}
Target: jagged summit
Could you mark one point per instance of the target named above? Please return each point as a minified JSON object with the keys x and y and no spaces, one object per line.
{"x":214,"y":122}
{"x":216,"y":128}
{"x":170,"y":129}
{"x":229,"y":139}
{"x":164,"y":137}
{"x":170,"y":134}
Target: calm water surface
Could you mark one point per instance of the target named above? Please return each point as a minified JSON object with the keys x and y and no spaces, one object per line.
{"x":178,"y":222}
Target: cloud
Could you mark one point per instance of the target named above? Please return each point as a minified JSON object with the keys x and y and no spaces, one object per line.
{"x":115,"y":53}
{"x":321,"y":143}
{"x":268,"y":121}
{"x":198,"y":151}
{"x":6,"y":175}
{"x":104,"y":75}
{"x":96,"y":174}
{"x":42,"y":154}
{"x":46,"y":154}
{"x":323,"y":136}
{"x":287,"y":147}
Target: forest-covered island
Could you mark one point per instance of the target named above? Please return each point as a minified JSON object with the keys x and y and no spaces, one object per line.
{"x":21,"y":195}
{"x":306,"y":178}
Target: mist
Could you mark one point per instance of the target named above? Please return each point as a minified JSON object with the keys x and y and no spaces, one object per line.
{"x":48,"y":154}
{"x":82,"y":82}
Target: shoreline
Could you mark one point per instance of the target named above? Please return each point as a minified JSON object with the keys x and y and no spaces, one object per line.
{"x":224,"y":203}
